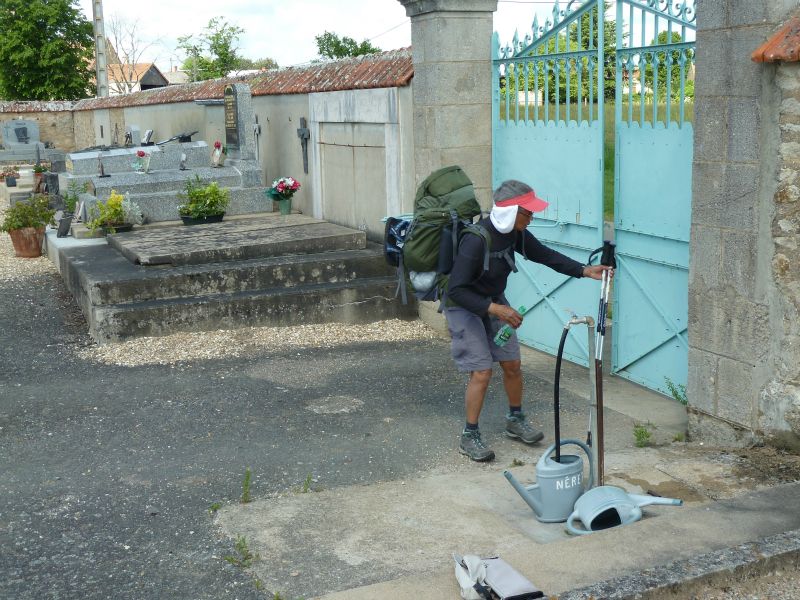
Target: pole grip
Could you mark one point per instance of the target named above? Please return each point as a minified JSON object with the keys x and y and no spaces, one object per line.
{"x":608,"y":256}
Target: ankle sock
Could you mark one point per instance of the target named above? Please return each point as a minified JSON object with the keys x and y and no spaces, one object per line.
{"x":471,"y":426}
{"x":514,"y":410}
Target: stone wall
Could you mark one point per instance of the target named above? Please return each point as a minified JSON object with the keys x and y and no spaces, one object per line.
{"x":779,"y":402}
{"x":55,"y":126}
{"x":84,"y":129}
{"x":739,"y":336}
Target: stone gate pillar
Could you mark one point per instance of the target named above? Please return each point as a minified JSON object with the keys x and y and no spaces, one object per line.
{"x":452,"y":91}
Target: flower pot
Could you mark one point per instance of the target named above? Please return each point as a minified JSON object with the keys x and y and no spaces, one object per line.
{"x":11,"y":181}
{"x":285,"y":206}
{"x":202,"y":220}
{"x":27,"y":241}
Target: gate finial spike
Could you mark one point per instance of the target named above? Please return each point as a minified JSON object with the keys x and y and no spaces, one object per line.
{"x":536,"y":27}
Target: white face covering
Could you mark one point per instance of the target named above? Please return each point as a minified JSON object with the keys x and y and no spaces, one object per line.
{"x":504,"y":217}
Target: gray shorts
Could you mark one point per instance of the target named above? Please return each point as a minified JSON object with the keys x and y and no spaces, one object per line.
{"x":472,"y":345}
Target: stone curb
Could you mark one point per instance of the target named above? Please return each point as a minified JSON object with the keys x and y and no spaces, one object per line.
{"x":680,"y":578}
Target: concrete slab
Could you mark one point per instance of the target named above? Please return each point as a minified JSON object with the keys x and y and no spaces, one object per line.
{"x":54,"y":245}
{"x":236,"y":240}
{"x":397,"y":537}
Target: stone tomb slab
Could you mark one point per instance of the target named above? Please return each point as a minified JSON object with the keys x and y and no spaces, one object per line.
{"x":240,"y":239}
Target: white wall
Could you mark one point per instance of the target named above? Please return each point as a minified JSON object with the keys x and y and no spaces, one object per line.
{"x":360,"y":153}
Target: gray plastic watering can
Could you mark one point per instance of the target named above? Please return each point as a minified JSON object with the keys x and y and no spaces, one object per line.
{"x":608,"y":506}
{"x":558,"y":484}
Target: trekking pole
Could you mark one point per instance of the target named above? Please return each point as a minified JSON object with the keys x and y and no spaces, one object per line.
{"x":607,"y":259}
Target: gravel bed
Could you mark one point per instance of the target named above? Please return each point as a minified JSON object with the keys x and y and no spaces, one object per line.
{"x":232,"y":343}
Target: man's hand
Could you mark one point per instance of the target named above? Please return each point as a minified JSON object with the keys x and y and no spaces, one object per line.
{"x":505,"y":314}
{"x":596,"y":271}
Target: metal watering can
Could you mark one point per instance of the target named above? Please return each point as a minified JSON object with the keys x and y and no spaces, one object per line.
{"x":558,"y":484}
{"x":608,"y":506}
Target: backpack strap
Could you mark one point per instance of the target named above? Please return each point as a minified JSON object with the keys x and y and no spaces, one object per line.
{"x":401,"y":290}
{"x":508,"y":255}
{"x":454,"y":227}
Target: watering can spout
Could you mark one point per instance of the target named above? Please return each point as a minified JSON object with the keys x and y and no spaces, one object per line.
{"x":530,"y":494}
{"x":641,"y":500}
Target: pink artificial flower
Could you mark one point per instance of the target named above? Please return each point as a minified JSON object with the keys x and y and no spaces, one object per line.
{"x":140,"y":153}
{"x":217,"y":145}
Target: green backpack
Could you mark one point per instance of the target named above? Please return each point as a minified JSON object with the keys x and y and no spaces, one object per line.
{"x":444,"y":200}
{"x":444,"y":207}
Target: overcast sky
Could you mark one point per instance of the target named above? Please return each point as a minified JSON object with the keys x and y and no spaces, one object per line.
{"x":284,"y":30}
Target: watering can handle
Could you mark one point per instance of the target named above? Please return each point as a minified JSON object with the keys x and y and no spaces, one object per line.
{"x":571,"y":528}
{"x":586,"y":449}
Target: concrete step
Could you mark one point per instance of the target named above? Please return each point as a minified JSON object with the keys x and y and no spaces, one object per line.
{"x":143,"y":284}
{"x":359,"y":301}
{"x":262,"y":270}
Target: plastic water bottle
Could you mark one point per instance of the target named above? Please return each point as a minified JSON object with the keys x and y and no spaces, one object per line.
{"x":506,"y":331}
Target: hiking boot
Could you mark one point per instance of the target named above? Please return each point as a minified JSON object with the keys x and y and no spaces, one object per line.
{"x":517,"y":426}
{"x":472,"y":445}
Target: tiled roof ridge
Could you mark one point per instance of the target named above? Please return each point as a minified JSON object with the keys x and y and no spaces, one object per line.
{"x":34,"y":106}
{"x":783,"y":46}
{"x":392,"y":68}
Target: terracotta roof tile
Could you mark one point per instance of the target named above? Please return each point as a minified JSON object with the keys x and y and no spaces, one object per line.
{"x":387,"y":69}
{"x":783,"y":46}
{"x":127,"y":72}
{"x":35,"y":106}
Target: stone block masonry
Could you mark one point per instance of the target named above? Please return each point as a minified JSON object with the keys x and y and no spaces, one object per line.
{"x":744,"y":337}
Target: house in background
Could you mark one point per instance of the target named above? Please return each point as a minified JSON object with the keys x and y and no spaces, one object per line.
{"x":128,"y":78}
{"x":176,"y":76}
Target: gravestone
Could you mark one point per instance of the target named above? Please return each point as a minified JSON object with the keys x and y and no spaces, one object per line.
{"x":239,"y":122}
{"x":133,"y":136}
{"x":20,"y":132}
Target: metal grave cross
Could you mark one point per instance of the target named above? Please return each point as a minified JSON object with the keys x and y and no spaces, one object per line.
{"x":304,"y":134}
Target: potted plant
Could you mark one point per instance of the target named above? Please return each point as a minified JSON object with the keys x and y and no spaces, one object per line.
{"x":218,"y":155}
{"x":71,"y":198}
{"x":118,"y":213}
{"x":25,"y":223}
{"x":10,"y":176}
{"x":203,"y":203}
{"x":141,"y":163}
{"x":38,"y":174}
{"x":282,"y":191}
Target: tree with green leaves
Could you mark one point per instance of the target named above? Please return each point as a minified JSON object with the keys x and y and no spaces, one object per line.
{"x":212,"y":53}
{"x":674,"y":57}
{"x":46,"y":49}
{"x":259,"y":63}
{"x":330,"y":45}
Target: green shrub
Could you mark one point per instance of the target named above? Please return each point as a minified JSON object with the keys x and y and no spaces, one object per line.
{"x":35,"y":212}
{"x":72,"y":195}
{"x":203,"y":200}
{"x":117,"y":210}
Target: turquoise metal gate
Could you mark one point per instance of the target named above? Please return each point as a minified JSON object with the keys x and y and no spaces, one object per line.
{"x":652,"y":190}
{"x":547,"y":127}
